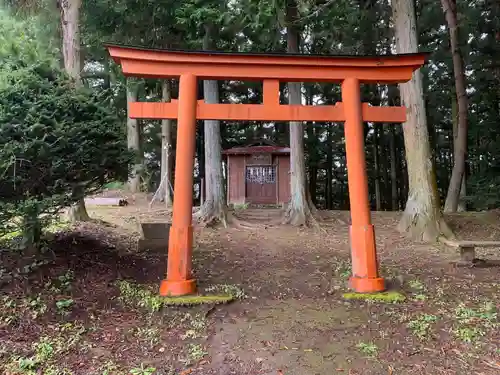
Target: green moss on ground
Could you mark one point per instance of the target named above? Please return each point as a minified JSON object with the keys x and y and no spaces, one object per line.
{"x":197,"y":300}
{"x":387,"y":297}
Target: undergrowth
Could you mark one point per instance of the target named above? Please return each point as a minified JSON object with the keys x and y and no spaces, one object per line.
{"x":144,"y":296}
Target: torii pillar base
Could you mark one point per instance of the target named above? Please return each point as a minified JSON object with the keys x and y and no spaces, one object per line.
{"x":365,"y":277}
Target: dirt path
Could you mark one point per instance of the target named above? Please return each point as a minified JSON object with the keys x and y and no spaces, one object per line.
{"x":296,"y":320}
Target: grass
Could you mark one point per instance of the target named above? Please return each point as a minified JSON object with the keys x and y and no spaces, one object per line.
{"x":343,"y":268}
{"x":45,"y":351}
{"x":417,"y":285}
{"x":64,"y":305}
{"x":143,"y":370}
{"x":148,"y":335}
{"x":240,"y":206}
{"x":368,"y":349}
{"x":35,"y":306}
{"x":196,"y":352}
{"x":115,"y":185}
{"x":472,"y":323}
{"x":422,"y":325}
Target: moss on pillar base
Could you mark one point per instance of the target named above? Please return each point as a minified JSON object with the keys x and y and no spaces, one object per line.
{"x":386,"y":297}
{"x":197,"y":300}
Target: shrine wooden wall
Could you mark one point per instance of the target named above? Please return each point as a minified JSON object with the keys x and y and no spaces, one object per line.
{"x":237,"y":166}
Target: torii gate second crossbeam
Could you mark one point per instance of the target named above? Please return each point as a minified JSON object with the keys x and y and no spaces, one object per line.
{"x":350,"y":71}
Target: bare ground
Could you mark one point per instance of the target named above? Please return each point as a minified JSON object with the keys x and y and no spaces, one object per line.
{"x":293,"y":320}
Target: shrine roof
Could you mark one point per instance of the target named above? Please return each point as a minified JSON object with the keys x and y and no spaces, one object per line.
{"x":248,"y":150}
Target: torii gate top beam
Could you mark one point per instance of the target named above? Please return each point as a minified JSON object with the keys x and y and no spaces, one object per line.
{"x":141,"y":62}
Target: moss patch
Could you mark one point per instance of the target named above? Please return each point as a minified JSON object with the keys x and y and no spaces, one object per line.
{"x":387,"y":297}
{"x":197,"y":300}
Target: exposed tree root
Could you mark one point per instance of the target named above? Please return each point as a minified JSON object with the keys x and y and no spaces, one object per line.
{"x":211,"y":214}
{"x":243,"y":224}
{"x":423,"y":225}
{"x":231,"y":220}
{"x":78,"y":212}
{"x":305,"y":217}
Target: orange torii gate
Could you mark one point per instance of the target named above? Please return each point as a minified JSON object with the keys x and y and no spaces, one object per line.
{"x":350,"y":71}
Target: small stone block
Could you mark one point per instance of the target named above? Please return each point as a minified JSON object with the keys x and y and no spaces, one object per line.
{"x":154,"y":231}
{"x":467,"y":254}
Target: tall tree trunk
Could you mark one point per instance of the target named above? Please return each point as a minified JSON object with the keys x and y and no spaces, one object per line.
{"x":200,"y":154}
{"x":107,"y":73}
{"x":300,"y":209}
{"x":462,"y":205}
{"x":214,"y":207}
{"x":384,"y":157}
{"x":394,"y":173}
{"x":312,"y":143}
{"x":460,"y":144}
{"x":166,"y":147}
{"x":376,"y":170}
{"x":329,"y":166}
{"x":422,"y":218}
{"x":392,"y":99}
{"x":70,"y":26}
{"x":134,"y":140}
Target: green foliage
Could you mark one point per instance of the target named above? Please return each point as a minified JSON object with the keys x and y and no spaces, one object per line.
{"x":64,"y":305}
{"x":143,"y":370}
{"x":58,"y":139}
{"x":369,"y":349}
{"x":196,"y":352}
{"x":45,"y":350}
{"x":472,"y":323}
{"x":22,"y":43}
{"x":421,"y":326}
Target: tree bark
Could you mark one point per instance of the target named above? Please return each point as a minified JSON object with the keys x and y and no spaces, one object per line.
{"x":134,"y":140}
{"x":166,"y":148}
{"x":31,"y":230}
{"x":71,"y":49}
{"x":462,"y":205}
{"x":422,"y":218}
{"x":70,"y":26}
{"x":312,"y":150}
{"x":376,"y":170}
{"x":460,"y":144}
{"x":394,"y":173}
{"x":329,"y":171}
{"x":392,"y":95}
{"x":214,"y":208}
{"x":384,"y":157}
{"x":300,"y":208}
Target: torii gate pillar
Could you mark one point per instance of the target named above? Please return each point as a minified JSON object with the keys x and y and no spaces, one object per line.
{"x":365,"y":277}
{"x":179,"y":279}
